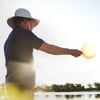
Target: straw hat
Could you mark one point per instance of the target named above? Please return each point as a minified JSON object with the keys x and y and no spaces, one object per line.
{"x":24,"y":13}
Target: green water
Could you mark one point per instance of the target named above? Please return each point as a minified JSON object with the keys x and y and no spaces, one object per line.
{"x":67,"y":96}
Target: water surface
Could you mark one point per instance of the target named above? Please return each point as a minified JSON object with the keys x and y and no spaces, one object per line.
{"x":67,"y":96}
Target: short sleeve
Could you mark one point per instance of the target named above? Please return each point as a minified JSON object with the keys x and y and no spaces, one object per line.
{"x":35,"y":41}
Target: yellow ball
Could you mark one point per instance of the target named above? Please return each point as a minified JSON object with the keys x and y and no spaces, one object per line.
{"x":88,"y":50}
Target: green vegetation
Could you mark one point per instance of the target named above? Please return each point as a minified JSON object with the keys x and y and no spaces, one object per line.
{"x":68,"y":87}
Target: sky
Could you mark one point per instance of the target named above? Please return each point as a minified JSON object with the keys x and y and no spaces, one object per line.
{"x":65,"y":23}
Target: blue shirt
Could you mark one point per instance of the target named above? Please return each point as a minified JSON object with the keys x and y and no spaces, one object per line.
{"x":20,"y":44}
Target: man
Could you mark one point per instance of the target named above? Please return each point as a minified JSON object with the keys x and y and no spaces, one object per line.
{"x":19,"y":47}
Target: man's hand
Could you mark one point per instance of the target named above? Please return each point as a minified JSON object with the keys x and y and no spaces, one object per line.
{"x":75,"y":52}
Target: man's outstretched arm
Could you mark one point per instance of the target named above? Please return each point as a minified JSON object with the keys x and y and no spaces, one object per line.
{"x":56,"y":50}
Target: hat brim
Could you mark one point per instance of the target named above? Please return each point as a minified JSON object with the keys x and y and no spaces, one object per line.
{"x":11,"y":23}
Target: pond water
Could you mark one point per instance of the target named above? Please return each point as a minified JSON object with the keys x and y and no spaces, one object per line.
{"x":67,"y":96}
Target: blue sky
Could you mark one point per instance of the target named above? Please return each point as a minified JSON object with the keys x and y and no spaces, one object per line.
{"x":66,"y":23}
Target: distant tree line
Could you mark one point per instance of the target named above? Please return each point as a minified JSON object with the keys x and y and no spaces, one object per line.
{"x":68,"y":87}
